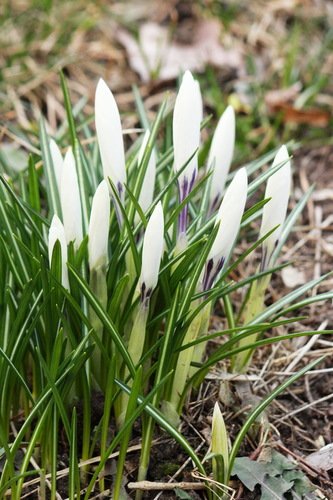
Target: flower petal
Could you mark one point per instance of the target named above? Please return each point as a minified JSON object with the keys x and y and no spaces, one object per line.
{"x":153,"y":244}
{"x":57,"y":160}
{"x":98,"y":230}
{"x":229,"y":216}
{"x":148,"y":184}
{"x":57,"y":233}
{"x":109,"y":136}
{"x":71,"y":201}
{"x":278,"y":189}
{"x":187,"y":116}
{"x":221,"y":153}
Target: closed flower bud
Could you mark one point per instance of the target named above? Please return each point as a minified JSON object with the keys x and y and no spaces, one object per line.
{"x":229,"y":218}
{"x":71,"y":201}
{"x":110,"y":137}
{"x":220,"y":438}
{"x":148,"y":184}
{"x":57,"y":233}
{"x":57,"y":161}
{"x":187,"y":116}
{"x":274,"y":212}
{"x":220,"y":155}
{"x":152,"y":251}
{"x":98,"y":230}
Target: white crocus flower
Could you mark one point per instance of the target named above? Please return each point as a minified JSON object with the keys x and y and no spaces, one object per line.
{"x":57,"y":233}
{"x":71,"y":201}
{"x":220,"y":155}
{"x":110,"y":137}
{"x":187,"y":116}
{"x":229,"y":218}
{"x":98,"y":230}
{"x":274,"y":212}
{"x":57,"y":161}
{"x":152,"y":251}
{"x":148,"y":184}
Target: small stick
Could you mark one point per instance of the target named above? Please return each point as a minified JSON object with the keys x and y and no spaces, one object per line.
{"x":152,"y":485}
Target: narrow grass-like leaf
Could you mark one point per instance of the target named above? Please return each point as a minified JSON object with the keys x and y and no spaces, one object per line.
{"x":261,"y":407}
{"x":68,"y":108}
{"x":107,"y":322}
{"x":51,"y":181}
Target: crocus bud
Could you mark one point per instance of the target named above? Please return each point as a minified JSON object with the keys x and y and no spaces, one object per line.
{"x":187,"y":116}
{"x":220,"y":155}
{"x":274,"y":212}
{"x":71,"y":201}
{"x":57,"y":233}
{"x":220,"y":438}
{"x":98,"y":230}
{"x":152,"y":252}
{"x":57,"y":161}
{"x":110,"y":137}
{"x":229,"y":218}
{"x":148,"y":184}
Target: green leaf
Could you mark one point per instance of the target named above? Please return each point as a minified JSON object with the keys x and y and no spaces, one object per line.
{"x":182,"y":494}
{"x":51,"y":183}
{"x":253,"y":473}
{"x":249,"y":472}
{"x":274,"y":486}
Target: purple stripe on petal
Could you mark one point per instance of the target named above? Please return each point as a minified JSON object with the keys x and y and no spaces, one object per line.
{"x":214,"y":204}
{"x":212,"y":270}
{"x":185,"y":188}
{"x":120,"y":189}
{"x":145,"y":294}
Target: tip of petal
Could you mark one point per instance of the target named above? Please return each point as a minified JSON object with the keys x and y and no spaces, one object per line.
{"x":216,"y":409}
{"x":101,"y":85}
{"x":103,"y":93}
{"x":241,"y":175}
{"x":230,"y":112}
{"x":282,"y":155}
{"x":187,"y":77}
{"x":56,"y":222}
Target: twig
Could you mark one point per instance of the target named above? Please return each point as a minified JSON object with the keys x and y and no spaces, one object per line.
{"x":152,"y":485}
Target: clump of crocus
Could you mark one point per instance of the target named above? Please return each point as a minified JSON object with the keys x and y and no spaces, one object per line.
{"x":228,"y":220}
{"x":274,"y":214}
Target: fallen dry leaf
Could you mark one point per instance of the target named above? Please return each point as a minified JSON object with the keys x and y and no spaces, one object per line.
{"x":312,"y":116}
{"x":278,"y":97}
{"x":155,"y":55}
{"x":282,"y":101}
{"x":322,"y":459}
{"x":292,"y":277}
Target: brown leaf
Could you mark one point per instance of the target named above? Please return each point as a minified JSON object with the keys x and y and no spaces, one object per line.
{"x":278,"y":97}
{"x":322,"y":459}
{"x":311,"y":116}
{"x":292,"y":277}
{"x":282,"y":101}
{"x":155,"y":55}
